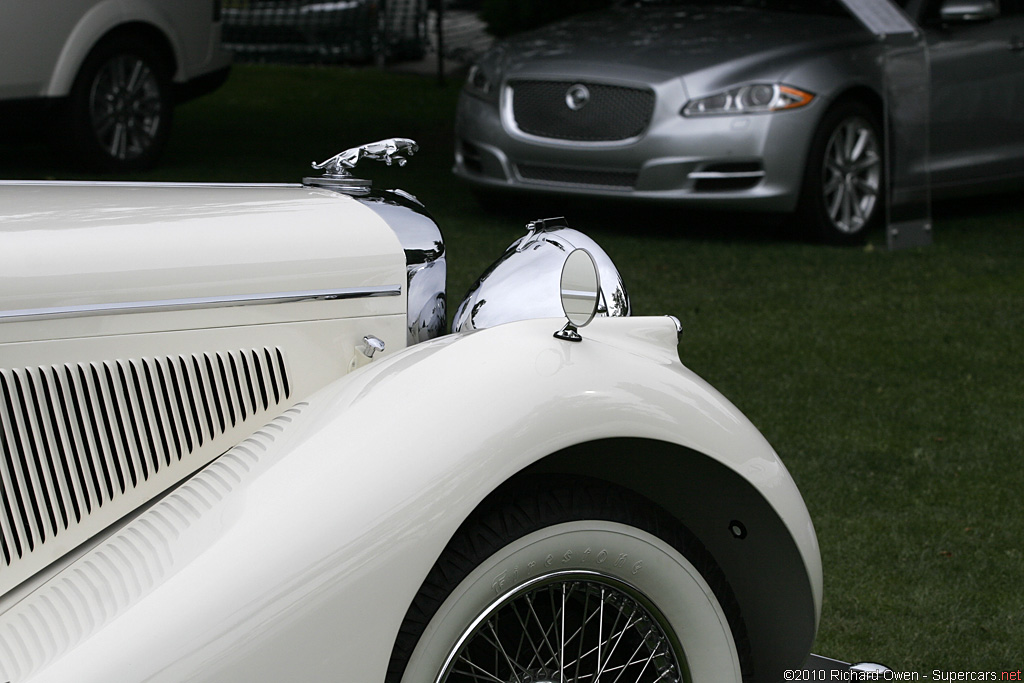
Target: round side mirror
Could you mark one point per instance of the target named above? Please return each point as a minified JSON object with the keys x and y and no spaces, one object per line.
{"x":580,"y":292}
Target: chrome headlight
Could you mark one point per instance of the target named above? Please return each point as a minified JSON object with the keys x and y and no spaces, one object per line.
{"x":749,"y":99}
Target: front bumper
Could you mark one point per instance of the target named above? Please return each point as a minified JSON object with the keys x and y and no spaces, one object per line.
{"x":752,"y":162}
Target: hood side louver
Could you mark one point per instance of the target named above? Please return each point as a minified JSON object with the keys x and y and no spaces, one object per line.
{"x":76,"y":437}
{"x":132,"y":562}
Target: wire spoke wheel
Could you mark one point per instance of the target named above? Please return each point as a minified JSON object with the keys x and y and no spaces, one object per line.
{"x":569,"y":627}
{"x":571,"y":580}
{"x":125,"y":107}
{"x":852,"y":175}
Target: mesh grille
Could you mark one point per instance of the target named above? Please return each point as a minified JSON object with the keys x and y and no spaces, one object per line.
{"x":612,"y":112}
{"x":75,"y":437}
{"x":577,"y":176}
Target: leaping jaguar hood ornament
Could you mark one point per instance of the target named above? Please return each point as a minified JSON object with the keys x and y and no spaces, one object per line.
{"x":337,"y":169}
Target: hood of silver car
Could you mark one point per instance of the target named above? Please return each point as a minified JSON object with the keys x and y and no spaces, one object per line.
{"x":678,"y":39}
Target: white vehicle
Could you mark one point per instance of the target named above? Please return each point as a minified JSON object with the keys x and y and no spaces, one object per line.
{"x":236,"y":446}
{"x":109,"y":72}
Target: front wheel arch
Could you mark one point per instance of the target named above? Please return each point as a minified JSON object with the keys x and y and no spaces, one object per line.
{"x":542,"y":532}
{"x":150,"y":111}
{"x":818,"y":219}
{"x":707,"y":497}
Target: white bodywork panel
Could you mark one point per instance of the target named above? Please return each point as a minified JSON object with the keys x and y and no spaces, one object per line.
{"x":78,"y":246}
{"x":295,"y":555}
{"x":144,"y":330}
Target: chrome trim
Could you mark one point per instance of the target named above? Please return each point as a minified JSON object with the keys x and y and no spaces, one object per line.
{"x":678,"y":324}
{"x":569,"y":333}
{"x":201,"y":302}
{"x":524,"y":282}
{"x":337,"y":170}
{"x":577,"y":96}
{"x":720,"y":175}
{"x":371,"y":345}
{"x":426,"y":269}
{"x":389,"y":151}
{"x":870,"y":670}
{"x":135,"y":183}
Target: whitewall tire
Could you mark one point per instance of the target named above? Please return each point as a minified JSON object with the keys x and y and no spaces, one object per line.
{"x":584,"y":600}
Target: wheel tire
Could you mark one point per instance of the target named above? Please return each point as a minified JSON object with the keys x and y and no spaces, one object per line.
{"x":574,"y":560}
{"x":120,"y":108}
{"x":843,"y":194}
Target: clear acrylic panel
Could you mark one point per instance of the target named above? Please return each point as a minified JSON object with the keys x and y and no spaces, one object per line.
{"x":906,"y":94}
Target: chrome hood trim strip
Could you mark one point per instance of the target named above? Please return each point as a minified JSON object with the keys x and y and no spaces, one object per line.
{"x":200,"y":302}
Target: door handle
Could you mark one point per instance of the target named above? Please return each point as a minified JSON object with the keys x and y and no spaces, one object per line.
{"x":1016,"y":44}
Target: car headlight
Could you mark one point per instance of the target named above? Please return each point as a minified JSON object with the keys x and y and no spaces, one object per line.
{"x":749,"y":99}
{"x":479,"y":83}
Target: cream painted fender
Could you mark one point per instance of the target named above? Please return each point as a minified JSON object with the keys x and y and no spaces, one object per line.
{"x":296,"y":554}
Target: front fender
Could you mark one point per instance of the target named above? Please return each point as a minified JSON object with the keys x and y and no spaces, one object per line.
{"x":296,"y":554}
{"x":95,"y":23}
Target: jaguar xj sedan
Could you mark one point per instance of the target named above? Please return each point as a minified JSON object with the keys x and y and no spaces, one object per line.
{"x":760,"y":105}
{"x":236,"y":444}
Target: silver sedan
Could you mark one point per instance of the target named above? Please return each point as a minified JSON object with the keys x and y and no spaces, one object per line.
{"x":761,"y":105}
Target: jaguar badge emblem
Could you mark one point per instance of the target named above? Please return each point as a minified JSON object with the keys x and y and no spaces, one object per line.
{"x":577,"y":97}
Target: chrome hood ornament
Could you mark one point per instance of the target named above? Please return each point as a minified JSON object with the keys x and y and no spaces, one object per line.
{"x":337,"y":170}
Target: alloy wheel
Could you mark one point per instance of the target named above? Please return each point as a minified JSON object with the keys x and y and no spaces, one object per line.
{"x":852,"y":175}
{"x":126,"y":107}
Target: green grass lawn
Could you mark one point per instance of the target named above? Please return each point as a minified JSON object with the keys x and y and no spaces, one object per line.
{"x":889,"y":382}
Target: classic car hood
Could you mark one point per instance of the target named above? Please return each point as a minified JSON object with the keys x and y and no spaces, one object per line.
{"x":678,"y":39}
{"x":179,"y":318}
{"x":87,"y":246}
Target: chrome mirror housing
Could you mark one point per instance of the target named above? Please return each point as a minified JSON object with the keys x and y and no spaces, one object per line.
{"x":525,"y":282}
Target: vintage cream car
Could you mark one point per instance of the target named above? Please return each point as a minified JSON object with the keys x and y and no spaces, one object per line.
{"x":236,"y":446}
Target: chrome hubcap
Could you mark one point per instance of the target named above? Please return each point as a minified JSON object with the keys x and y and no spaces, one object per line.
{"x":852,"y":175}
{"x":575,"y":627}
{"x":125,"y":107}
